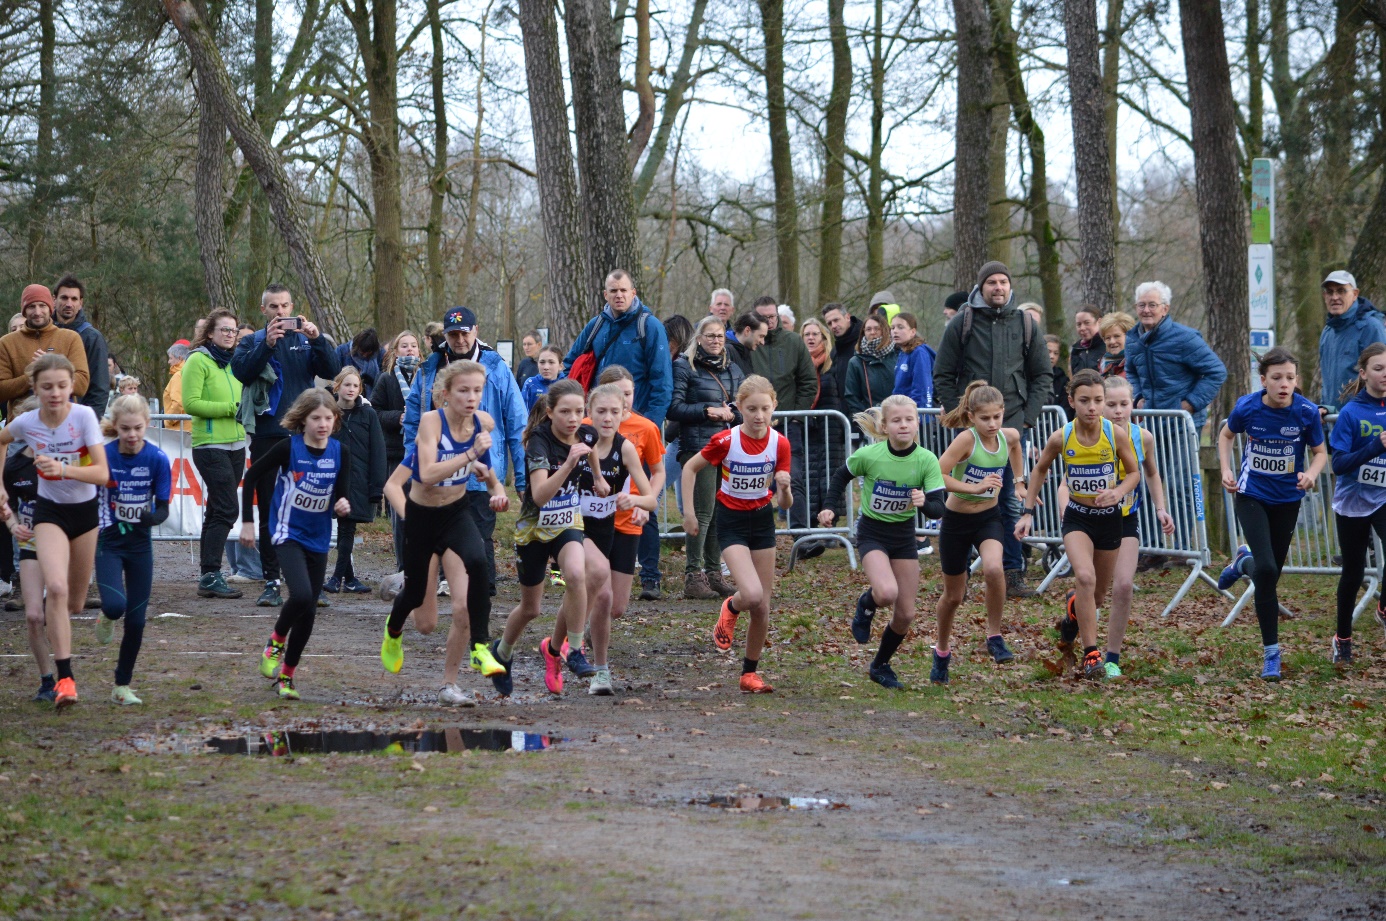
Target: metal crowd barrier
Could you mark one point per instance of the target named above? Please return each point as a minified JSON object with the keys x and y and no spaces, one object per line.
{"x":1315,"y":543}
{"x":814,"y":434}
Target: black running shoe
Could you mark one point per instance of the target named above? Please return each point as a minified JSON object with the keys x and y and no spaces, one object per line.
{"x":1342,"y":651}
{"x":939,"y":673}
{"x":504,"y":683}
{"x":1000,"y":652}
{"x":1094,"y":669}
{"x":861,"y":621}
{"x":884,"y":675}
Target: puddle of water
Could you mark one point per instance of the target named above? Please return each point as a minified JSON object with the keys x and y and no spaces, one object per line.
{"x":751,"y":803}
{"x":319,"y":742}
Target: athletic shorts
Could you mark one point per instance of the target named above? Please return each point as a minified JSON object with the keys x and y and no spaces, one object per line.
{"x":28,"y":555}
{"x":1131,"y":526}
{"x":1102,"y":525}
{"x":600,"y":531}
{"x":959,"y":532}
{"x":754,"y":530}
{"x":75,"y":518}
{"x":624,"y":549}
{"x":532,"y":559}
{"x":896,"y":539}
{"x":438,"y":528}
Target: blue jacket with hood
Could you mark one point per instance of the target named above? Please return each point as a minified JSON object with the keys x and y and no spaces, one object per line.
{"x":296,"y":360}
{"x":1342,"y":340}
{"x":1354,"y":443}
{"x":1172,"y":363}
{"x":647,"y":358}
{"x":914,"y":374}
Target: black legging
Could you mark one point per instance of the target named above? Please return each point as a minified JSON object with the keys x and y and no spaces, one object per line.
{"x":303,"y":571}
{"x":1267,"y":530}
{"x":346,"y":542}
{"x":1354,"y":537}
{"x":455,"y":527}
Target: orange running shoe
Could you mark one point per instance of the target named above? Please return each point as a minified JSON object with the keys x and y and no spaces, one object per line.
{"x":724,"y":634}
{"x":752,"y":683}
{"x":66,"y":693}
{"x":1093,"y":669}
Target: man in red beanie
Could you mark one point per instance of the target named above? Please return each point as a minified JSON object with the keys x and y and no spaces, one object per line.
{"x":38,"y":336}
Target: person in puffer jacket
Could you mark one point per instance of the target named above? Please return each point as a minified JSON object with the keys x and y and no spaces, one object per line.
{"x":1352,"y":324}
{"x":1168,"y":364}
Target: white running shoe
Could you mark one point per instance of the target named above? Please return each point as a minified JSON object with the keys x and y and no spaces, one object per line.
{"x":238,"y":579}
{"x":453,"y":696}
{"x":391,"y":586}
{"x":6,"y":589}
{"x":443,"y":590}
{"x":601,"y":684}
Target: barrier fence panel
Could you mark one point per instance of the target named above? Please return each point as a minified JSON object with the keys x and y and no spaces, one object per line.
{"x":1314,"y":548}
{"x":820,"y":440}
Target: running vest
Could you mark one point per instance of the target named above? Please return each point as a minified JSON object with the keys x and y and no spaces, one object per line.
{"x":448,"y":448}
{"x":1089,"y":469}
{"x":302,"y":506}
{"x":613,"y":470}
{"x":888,"y":480}
{"x":1132,"y":503}
{"x":748,"y":476}
{"x":980,"y":464}
{"x":137,"y":480}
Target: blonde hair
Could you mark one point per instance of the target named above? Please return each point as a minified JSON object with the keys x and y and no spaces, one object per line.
{"x":454,"y":370}
{"x":342,"y":375}
{"x":51,"y":361}
{"x":872,"y":421}
{"x":710,"y":320}
{"x":829,"y":341}
{"x":604,"y":391}
{"x":977,"y":395}
{"x":130,"y":404}
{"x":388,"y":365}
{"x":1116,"y":319}
{"x":308,"y":402}
{"x":128,"y":380}
{"x":753,"y":385}
{"x":1115,"y":382}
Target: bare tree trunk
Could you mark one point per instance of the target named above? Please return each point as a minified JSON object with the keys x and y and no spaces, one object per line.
{"x":972,"y":141}
{"x":1037,"y":200}
{"x":1091,"y":158}
{"x":781,"y":156}
{"x":553,"y":159}
{"x":1111,"y":82}
{"x":999,"y":216}
{"x":257,"y":265}
{"x":438,"y":182}
{"x":1256,"y":96}
{"x":474,"y":190}
{"x":43,"y":149}
{"x":834,"y":157}
{"x":1338,"y":116}
{"x":209,"y":183}
{"x":264,"y":160}
{"x":644,"y":90}
{"x":1368,"y":262}
{"x":673,"y":101}
{"x":1221,"y":207}
{"x":875,"y":180}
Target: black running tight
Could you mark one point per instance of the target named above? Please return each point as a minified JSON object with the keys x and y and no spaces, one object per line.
{"x":1267,"y":530}
{"x":303,"y":572}
{"x":1354,"y":538}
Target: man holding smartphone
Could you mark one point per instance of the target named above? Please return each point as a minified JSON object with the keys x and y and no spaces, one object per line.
{"x":296,"y":351}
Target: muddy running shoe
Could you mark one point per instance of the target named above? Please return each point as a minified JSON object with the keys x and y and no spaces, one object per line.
{"x":333,"y":585}
{"x":577,"y":663}
{"x":392,"y":652}
{"x":105,"y":629}
{"x":861,"y":620}
{"x":503,"y":681}
{"x":65,"y":693}
{"x":213,"y":585}
{"x":752,"y":683}
{"x":601,"y":684}
{"x":271,"y":658}
{"x":885,"y":676}
{"x":121,"y":694}
{"x":270,"y":597}
{"x":1270,"y":665}
{"x":1094,"y":669}
{"x":724,"y":634}
{"x":1342,"y":651}
{"x":46,"y":693}
{"x":391,"y":586}
{"x":1380,"y":613}
{"x":719,"y":584}
{"x":1068,"y":624}
{"x":284,"y":687}
{"x":1113,"y":670}
{"x":323,"y":602}
{"x":553,"y":668}
{"x":939,"y":673}
{"x":484,"y":662}
{"x":353,"y":586}
{"x":1233,"y":572}
{"x":453,"y":696}
{"x":649,"y":591}
{"x":696,"y":587}
{"x":1000,"y":652}
{"x":1015,"y":585}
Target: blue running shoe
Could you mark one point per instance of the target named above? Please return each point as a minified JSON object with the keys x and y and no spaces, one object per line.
{"x":885,"y":676}
{"x":939,"y":673}
{"x":1000,"y":652}
{"x":861,"y":621}
{"x":1270,"y":671}
{"x":577,"y":663}
{"x":47,"y":692}
{"x":503,"y":682}
{"x":1233,"y":572}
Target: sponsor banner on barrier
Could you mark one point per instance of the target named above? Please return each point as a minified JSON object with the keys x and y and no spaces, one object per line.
{"x":187,"y":502}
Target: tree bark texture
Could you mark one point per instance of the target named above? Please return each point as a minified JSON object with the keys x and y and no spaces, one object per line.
{"x":265,"y":162}
{"x":674,"y":97}
{"x":1221,"y":208}
{"x":1091,"y":160}
{"x":1111,"y":83}
{"x":469,"y":259}
{"x":257,"y":266}
{"x":644,"y":89}
{"x":438,"y":182}
{"x":43,"y":148}
{"x":566,"y":259}
{"x":875,"y":179}
{"x":209,"y":196}
{"x":972,"y":141}
{"x":781,"y":155}
{"x":834,"y":157}
{"x":999,"y":218}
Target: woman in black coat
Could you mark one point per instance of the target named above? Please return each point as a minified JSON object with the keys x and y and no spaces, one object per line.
{"x":402,"y":359}
{"x":703,"y":404}
{"x":825,"y":449}
{"x":360,"y":434}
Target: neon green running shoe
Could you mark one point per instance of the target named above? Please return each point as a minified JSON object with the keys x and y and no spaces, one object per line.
{"x":392,"y":652}
{"x":1113,"y":670}
{"x":484,"y":662}
{"x":284,"y":687}
{"x":270,"y":659}
{"x":556,"y":578}
{"x":124,"y":696}
{"x":105,"y":629}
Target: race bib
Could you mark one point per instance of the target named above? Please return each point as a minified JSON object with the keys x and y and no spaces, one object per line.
{"x":1087,"y":480}
{"x":306,"y":502}
{"x":598,"y":506}
{"x":561,"y":512}
{"x":975,"y":474}
{"x":749,"y":481}
{"x":129,"y":512}
{"x":888,"y":498}
{"x":72,"y":460}
{"x":1373,"y":473}
{"x":1271,"y":458}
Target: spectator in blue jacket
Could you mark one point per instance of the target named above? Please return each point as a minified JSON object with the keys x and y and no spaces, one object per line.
{"x":914,"y":364}
{"x":501,"y":399}
{"x":548,"y":364}
{"x":627,"y":333}
{"x":363,"y":354}
{"x":296,"y":356}
{"x":1352,"y":324}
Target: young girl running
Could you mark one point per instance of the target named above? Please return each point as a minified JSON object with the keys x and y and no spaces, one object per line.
{"x":133,"y":503}
{"x":1117,"y":410}
{"x":550,"y":364}
{"x":361,"y":435}
{"x":900,"y":478}
{"x":630,"y":522}
{"x":1358,"y":441}
{"x":1090,"y":448}
{"x":438,"y":522}
{"x":308,"y":474}
{"x":754,"y":462}
{"x":974,"y":463}
{"x":21,"y":483}
{"x":70,"y":458}
{"x":557,"y":446}
{"x":603,"y":499}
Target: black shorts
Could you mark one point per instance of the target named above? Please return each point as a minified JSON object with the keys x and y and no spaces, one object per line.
{"x":27,"y":555}
{"x":435,"y":529}
{"x":76,"y":518}
{"x":532,"y":559}
{"x":1102,"y":525}
{"x":624,"y":549}
{"x":1131,"y":526}
{"x":959,"y":532}
{"x":896,"y":539}
{"x":600,"y":531}
{"x":754,"y":530}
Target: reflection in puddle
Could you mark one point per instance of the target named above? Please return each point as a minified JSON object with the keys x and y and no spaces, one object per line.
{"x":359,"y":741}
{"x":750,"y":803}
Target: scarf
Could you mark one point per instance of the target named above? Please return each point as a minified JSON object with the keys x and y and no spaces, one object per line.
{"x":873,"y":348}
{"x":717,"y":362}
{"x":221,"y":356}
{"x":1112,"y":365}
{"x":819,"y":355}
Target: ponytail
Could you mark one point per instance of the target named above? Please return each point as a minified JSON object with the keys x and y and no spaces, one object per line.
{"x":564,"y":387}
{"x":1355,"y":386}
{"x":979,"y":394}
{"x":872,"y":421}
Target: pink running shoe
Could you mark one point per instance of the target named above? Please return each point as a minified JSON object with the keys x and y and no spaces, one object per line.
{"x":553,"y":669}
